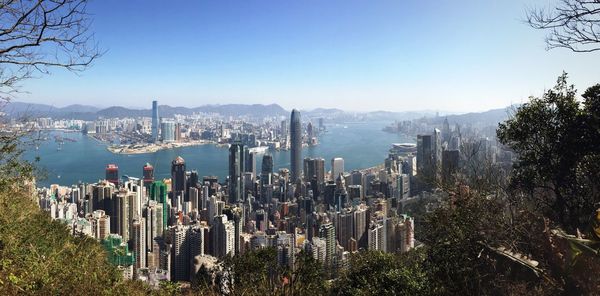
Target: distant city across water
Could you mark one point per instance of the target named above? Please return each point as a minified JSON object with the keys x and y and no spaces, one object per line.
{"x":362,"y":145}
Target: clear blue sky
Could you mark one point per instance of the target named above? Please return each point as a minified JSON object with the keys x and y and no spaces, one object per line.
{"x":355,"y":55}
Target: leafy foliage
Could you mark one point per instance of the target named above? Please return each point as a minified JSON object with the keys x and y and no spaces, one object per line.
{"x":556,"y":141}
{"x":377,"y":273}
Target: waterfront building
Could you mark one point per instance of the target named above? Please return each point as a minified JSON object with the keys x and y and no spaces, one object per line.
{"x":155,"y":121}
{"x":112,"y":174}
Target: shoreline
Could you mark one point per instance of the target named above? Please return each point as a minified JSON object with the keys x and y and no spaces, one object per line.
{"x":151,"y":148}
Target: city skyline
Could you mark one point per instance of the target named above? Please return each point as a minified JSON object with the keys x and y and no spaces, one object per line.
{"x":396,"y":56}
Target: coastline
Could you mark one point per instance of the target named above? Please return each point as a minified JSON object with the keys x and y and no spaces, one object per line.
{"x":151,"y":148}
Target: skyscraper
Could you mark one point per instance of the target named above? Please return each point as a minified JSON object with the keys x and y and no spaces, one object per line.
{"x":112,"y":174}
{"x":155,"y":121}
{"x":236,"y":168}
{"x":337,"y":167}
{"x":148,"y":175}
{"x":296,"y":146}
{"x":178,"y":177}
{"x":167,"y":131}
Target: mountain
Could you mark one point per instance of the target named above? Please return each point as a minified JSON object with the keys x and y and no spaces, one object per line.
{"x":490,"y":117}
{"x":84,"y":112}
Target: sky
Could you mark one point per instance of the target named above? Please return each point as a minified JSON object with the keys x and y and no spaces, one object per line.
{"x":443,"y":55}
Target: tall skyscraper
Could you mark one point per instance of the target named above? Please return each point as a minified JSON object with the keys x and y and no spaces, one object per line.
{"x":296,"y":146}
{"x":236,"y":169}
{"x":178,"y":177}
{"x":337,"y":167}
{"x":155,"y":121}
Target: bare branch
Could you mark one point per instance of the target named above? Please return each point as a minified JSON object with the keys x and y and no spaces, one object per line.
{"x":36,"y":36}
{"x":573,"y":24}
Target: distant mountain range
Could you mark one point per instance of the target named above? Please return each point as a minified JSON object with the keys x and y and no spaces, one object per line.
{"x":20,"y":109}
{"x":84,"y":112}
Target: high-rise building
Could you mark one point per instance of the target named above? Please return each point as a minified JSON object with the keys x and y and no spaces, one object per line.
{"x":120,"y":214}
{"x":236,"y":169}
{"x":138,"y":243}
{"x":158,"y":193}
{"x":102,"y":224}
{"x":337,"y":167}
{"x":148,"y":175}
{"x":450,"y":163}
{"x":155,"y":121}
{"x":361,"y":223}
{"x":344,"y":228}
{"x":266,"y":170}
{"x":112,"y":174}
{"x":327,"y":233}
{"x":167,"y":131}
{"x":250,"y":165}
{"x":180,"y":253}
{"x":223,"y":237}
{"x":296,"y":146}
{"x":178,"y":178}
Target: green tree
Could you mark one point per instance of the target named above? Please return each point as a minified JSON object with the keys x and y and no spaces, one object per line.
{"x":377,"y":273}
{"x":553,"y":137}
{"x":307,"y":278}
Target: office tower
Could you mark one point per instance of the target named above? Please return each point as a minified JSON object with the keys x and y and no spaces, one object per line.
{"x":321,"y":124}
{"x":112,"y":174}
{"x":403,"y":186}
{"x":192,"y":180}
{"x":102,"y":224}
{"x":250,"y":165}
{"x":177,"y":135}
{"x":340,"y":195}
{"x":180,"y":253}
{"x":284,"y":130}
{"x":167,"y":131}
{"x":158,"y":193}
{"x":223,"y":237}
{"x":155,"y":121}
{"x":266,"y":174}
{"x":138,"y":243}
{"x":236,"y":168}
{"x":450,"y":164}
{"x":296,"y":146}
{"x":337,"y":167}
{"x":426,"y":157}
{"x":314,"y":168}
{"x":446,"y":131}
{"x":195,"y":199}
{"x":148,"y":175}
{"x":178,"y":178}
{"x":309,"y":131}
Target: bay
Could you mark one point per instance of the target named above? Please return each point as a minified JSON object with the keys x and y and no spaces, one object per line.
{"x":361,"y":144}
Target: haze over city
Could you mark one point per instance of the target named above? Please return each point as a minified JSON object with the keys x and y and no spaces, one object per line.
{"x":353,"y":55}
